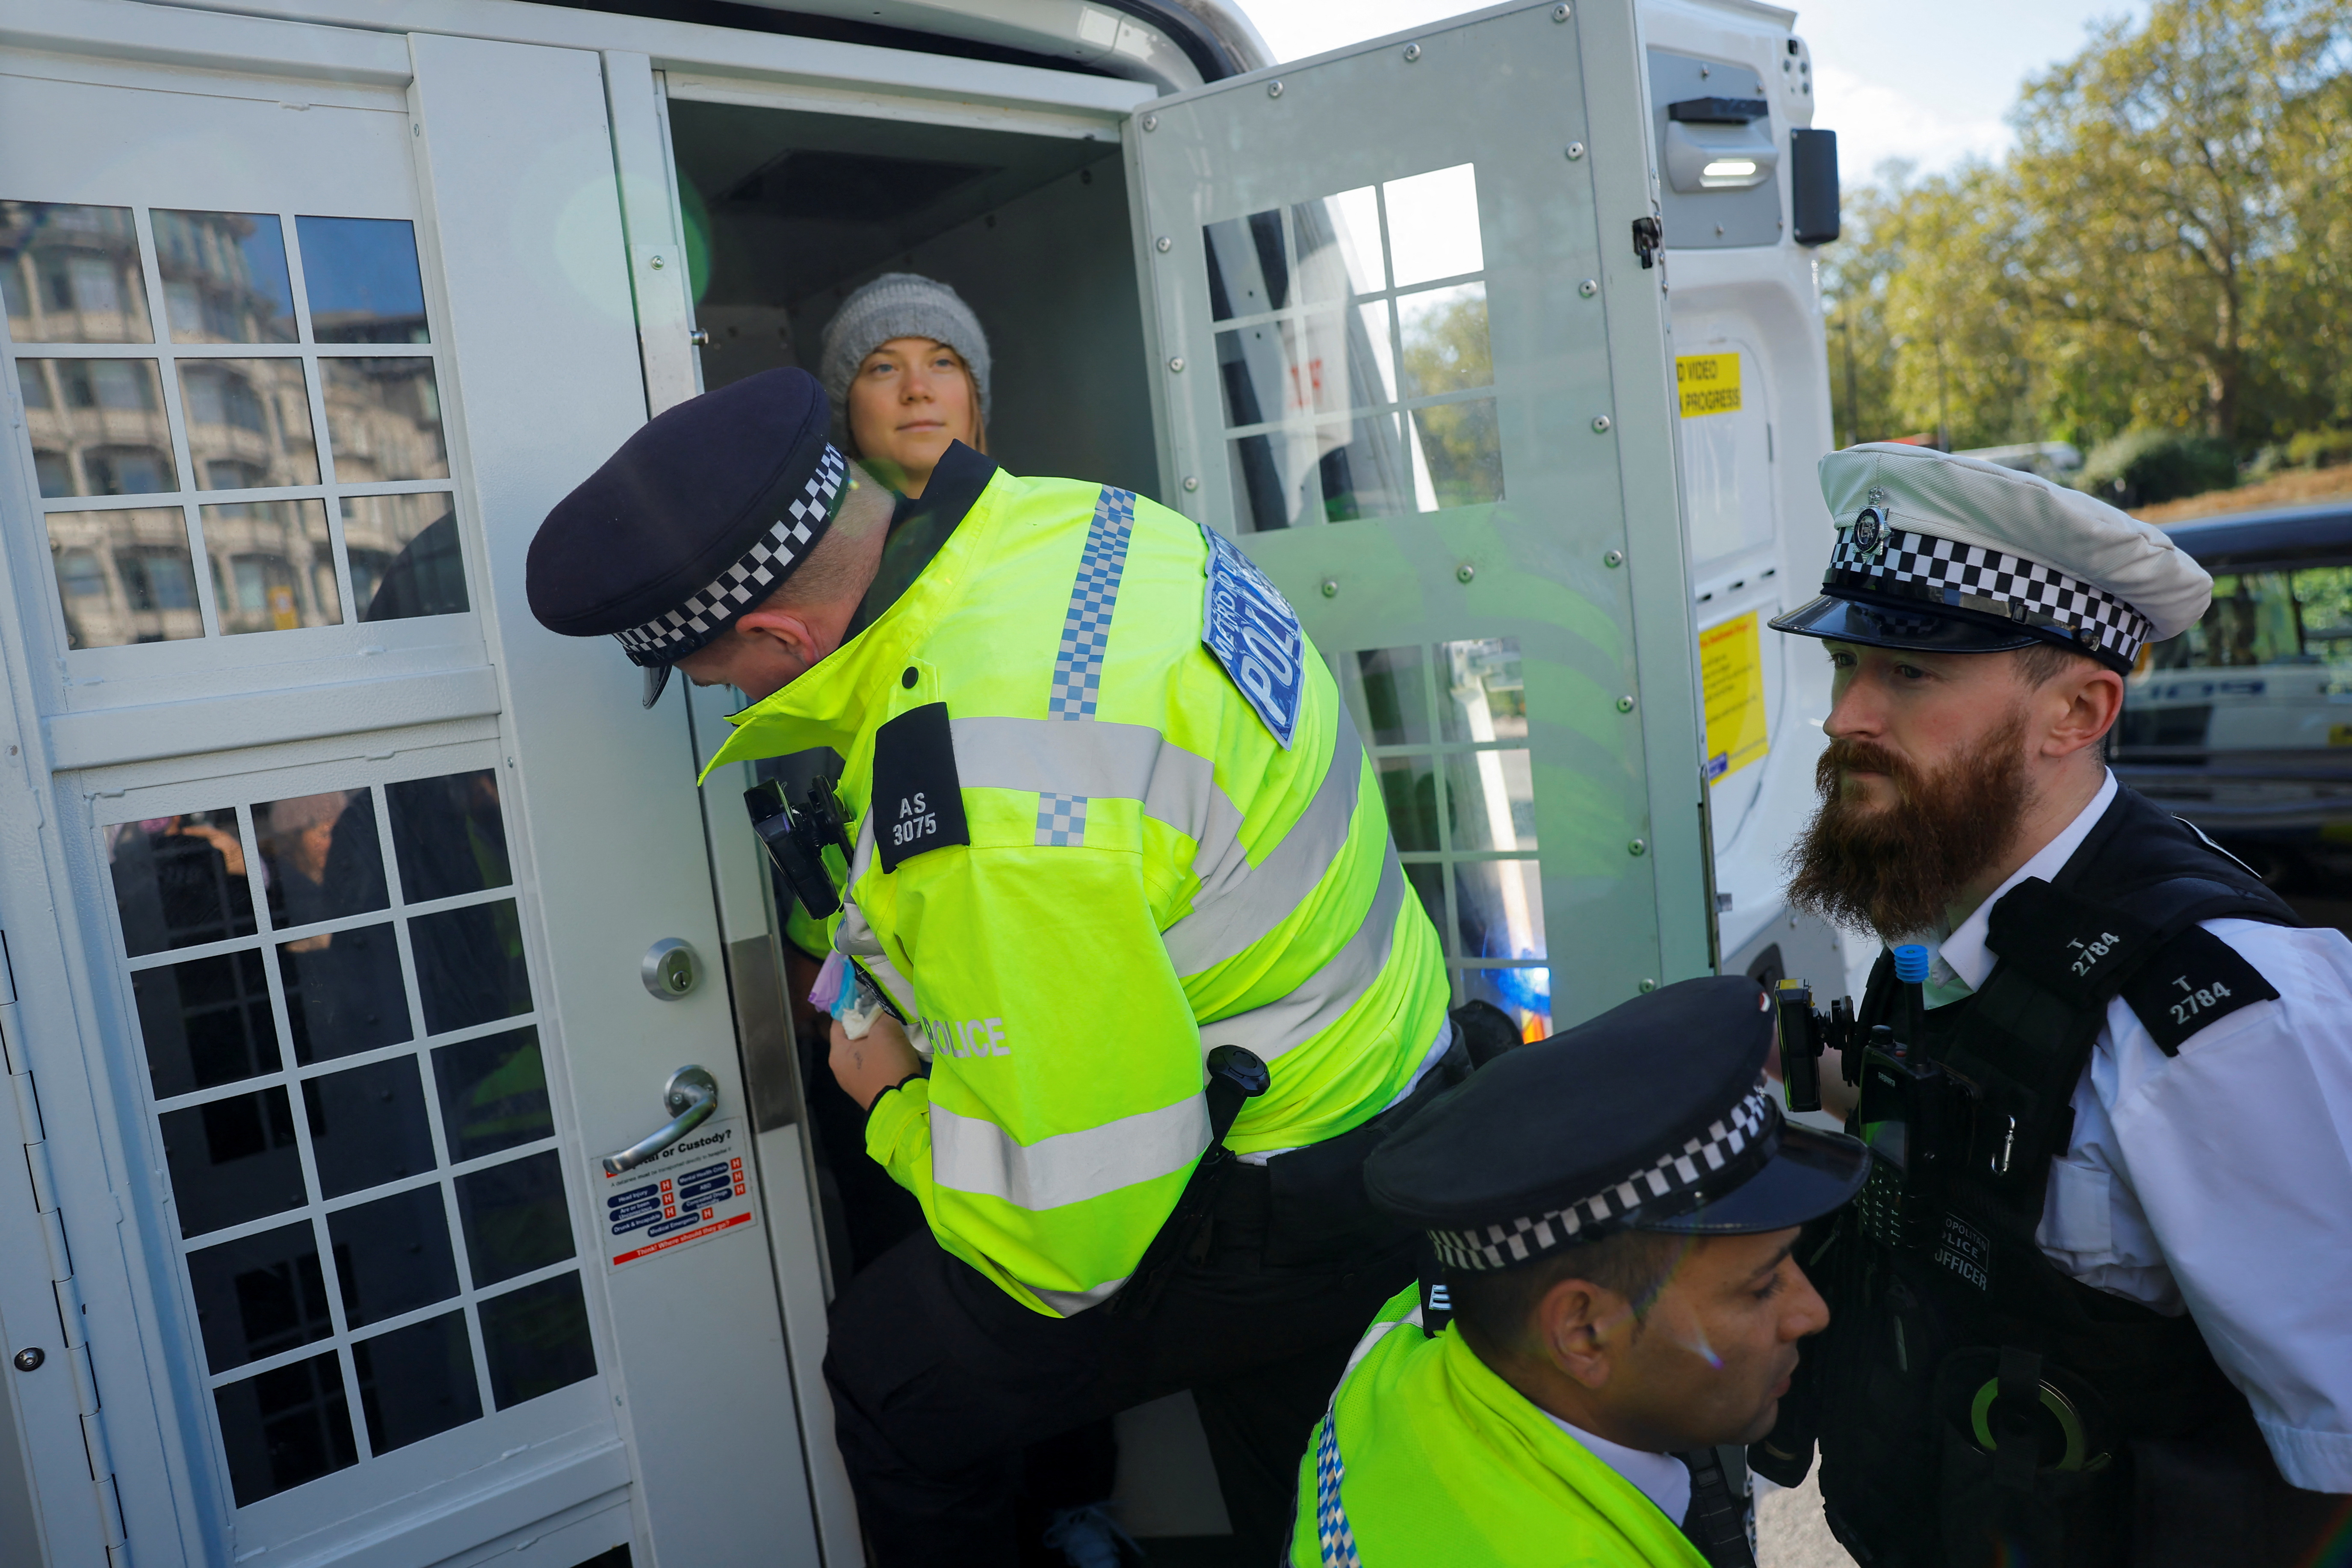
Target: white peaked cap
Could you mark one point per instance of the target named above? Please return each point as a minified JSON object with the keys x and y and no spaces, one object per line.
{"x":1971,"y":502}
{"x":1939,"y":550}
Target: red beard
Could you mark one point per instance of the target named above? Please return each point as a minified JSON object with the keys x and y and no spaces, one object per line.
{"x":1895,"y":869}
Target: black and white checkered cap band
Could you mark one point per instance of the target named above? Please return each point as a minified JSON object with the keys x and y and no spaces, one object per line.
{"x":1971,"y":577}
{"x":1714,"y":1155}
{"x":667,"y":638}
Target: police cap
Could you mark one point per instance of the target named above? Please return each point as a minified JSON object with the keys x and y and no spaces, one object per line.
{"x":1654,"y":1116}
{"x":696,"y":520}
{"x":1950,"y":554}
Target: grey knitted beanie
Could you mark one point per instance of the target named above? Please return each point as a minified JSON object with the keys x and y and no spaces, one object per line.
{"x":900,"y":305}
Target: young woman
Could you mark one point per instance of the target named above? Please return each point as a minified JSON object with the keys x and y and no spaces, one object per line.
{"x":905,"y":364}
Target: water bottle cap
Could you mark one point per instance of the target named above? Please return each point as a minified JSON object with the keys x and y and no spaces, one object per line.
{"x":1911,"y":962}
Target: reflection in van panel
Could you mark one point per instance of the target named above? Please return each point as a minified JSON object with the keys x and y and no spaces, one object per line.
{"x":2183,"y":726}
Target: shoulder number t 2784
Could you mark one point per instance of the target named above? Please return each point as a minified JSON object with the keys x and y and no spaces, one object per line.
{"x":2197,"y":999}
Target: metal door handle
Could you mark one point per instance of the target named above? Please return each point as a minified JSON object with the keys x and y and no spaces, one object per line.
{"x":690,"y":1095}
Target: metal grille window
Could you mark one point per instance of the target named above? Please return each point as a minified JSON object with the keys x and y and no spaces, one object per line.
{"x":279,"y":330}
{"x":1447,"y":728}
{"x":1352,"y":353}
{"x":343,"y":1051}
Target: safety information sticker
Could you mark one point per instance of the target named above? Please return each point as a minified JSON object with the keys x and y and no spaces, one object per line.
{"x":1709,"y":383}
{"x":1731,"y":676}
{"x":1254,"y":632}
{"x":696,"y":1188}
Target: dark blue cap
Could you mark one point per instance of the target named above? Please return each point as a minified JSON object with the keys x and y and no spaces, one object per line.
{"x":1654,"y":1116}
{"x":695,"y":520}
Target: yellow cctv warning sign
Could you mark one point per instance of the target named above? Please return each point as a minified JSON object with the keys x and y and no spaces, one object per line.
{"x":1731,"y":675}
{"x":1709,"y":383}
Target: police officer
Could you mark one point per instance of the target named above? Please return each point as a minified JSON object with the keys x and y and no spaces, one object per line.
{"x":2089,"y":1309}
{"x":1614,"y":1211}
{"x":1106,"y":817}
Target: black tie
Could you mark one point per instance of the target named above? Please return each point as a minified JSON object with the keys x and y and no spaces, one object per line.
{"x":1718,"y":1520}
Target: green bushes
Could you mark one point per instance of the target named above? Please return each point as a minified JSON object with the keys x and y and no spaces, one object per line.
{"x":2140,"y":467}
{"x":2319,"y":449}
{"x":2312,"y":449}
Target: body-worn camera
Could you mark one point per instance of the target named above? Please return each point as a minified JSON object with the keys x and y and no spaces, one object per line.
{"x":808,"y":843}
{"x":1804,"y":1034}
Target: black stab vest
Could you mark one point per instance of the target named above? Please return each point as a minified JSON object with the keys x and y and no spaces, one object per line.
{"x":1949,"y":1327}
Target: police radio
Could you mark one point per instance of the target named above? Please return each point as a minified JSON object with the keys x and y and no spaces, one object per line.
{"x":1916,"y":1117}
{"x":808,"y":843}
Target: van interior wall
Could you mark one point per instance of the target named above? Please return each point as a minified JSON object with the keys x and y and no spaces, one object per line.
{"x":796,"y":210}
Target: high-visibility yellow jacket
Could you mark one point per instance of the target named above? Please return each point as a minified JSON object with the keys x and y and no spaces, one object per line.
{"x":1149,"y":874}
{"x":1427,"y":1456}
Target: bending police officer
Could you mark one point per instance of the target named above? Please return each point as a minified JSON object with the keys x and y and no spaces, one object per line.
{"x":2076,"y":1312}
{"x":1094,"y":833}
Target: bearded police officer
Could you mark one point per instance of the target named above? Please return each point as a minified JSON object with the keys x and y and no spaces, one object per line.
{"x":1614,"y":1211}
{"x":1103,"y":817}
{"x":2090,"y":1308}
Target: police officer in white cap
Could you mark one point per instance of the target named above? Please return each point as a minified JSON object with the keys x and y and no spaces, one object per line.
{"x":2091,"y":1307}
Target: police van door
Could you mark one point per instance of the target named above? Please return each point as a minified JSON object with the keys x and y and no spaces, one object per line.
{"x":332,"y":886}
{"x":1410,"y":356}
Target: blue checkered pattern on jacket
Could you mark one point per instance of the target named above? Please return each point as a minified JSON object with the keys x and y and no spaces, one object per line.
{"x":1331,"y":1530}
{"x":1061,"y":818}
{"x":1085,"y":637}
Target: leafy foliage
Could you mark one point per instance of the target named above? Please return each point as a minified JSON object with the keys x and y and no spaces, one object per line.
{"x":2169,"y":248}
{"x":1458,"y":440}
{"x":2139,"y":468}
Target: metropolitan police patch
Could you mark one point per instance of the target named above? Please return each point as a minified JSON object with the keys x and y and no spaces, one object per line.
{"x":1254,"y":632}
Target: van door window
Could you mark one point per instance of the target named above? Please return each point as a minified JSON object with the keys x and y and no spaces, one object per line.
{"x":344,"y":1068}
{"x":1357,"y":379}
{"x":328,"y":336}
{"x":1447,"y":728}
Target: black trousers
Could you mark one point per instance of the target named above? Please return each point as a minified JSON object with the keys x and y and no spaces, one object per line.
{"x":939,"y":1379}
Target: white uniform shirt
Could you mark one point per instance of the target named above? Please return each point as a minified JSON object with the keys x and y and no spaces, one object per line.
{"x":2219,"y":1181}
{"x":1662,"y":1478}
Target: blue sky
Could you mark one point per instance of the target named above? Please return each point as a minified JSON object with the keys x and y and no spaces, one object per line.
{"x":1925,"y":80}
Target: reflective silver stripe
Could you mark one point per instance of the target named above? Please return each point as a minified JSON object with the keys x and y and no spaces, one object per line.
{"x":853,"y":935}
{"x":1240,"y":903}
{"x":1070,"y":1303}
{"x":1116,"y":761}
{"x":861,"y":849}
{"x":971,"y":1155}
{"x":1373,"y":1336}
{"x":1315,"y":1006}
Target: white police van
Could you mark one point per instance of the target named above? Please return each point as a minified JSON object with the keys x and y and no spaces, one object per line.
{"x":351,"y":918}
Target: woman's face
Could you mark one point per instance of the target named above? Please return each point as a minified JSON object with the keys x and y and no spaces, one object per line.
{"x":909,"y":399}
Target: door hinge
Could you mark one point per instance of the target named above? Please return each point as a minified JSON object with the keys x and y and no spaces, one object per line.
{"x":65,"y":1288}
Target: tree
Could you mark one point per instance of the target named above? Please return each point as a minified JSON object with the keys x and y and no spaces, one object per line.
{"x":2169,"y":246}
{"x":2155,"y":177}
